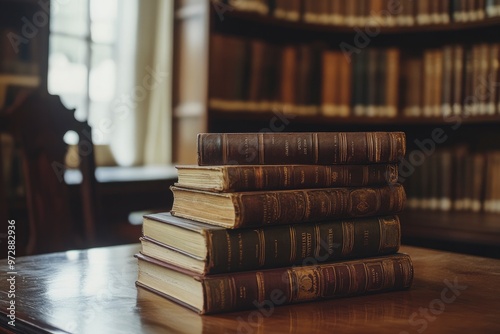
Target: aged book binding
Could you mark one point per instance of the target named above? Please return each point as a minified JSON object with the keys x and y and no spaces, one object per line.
{"x":248,"y":290}
{"x":300,"y":148}
{"x":275,"y":177}
{"x":245,"y":209}
{"x":227,"y":250}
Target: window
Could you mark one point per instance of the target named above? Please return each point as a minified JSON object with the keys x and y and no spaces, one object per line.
{"x":83,"y":60}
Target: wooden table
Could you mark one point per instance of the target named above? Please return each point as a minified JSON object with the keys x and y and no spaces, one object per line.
{"x":93,"y":291}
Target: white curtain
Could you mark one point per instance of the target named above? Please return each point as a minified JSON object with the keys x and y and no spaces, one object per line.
{"x":142,"y":112}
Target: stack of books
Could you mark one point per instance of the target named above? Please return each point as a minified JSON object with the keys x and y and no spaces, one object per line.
{"x":267,"y":219}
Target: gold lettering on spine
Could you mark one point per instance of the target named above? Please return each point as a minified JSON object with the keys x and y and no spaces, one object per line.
{"x":406,"y":270}
{"x":393,"y":151}
{"x":318,"y":241}
{"x":260,"y":286}
{"x":347,"y":237}
{"x":353,"y":280}
{"x":369,"y":146}
{"x":293,"y":244}
{"x":260,"y":143}
{"x":286,"y":180}
{"x":225,"y":149}
{"x":388,"y":272}
{"x":233,"y":291}
{"x":315,"y":145}
{"x":378,"y":146}
{"x":229,"y":250}
{"x":240,"y":250}
{"x":291,"y":284}
{"x":343,"y":146}
{"x":262,"y":247}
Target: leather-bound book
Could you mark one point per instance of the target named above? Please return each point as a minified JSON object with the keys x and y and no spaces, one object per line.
{"x":282,"y":177}
{"x":265,"y":208}
{"x":288,"y":77}
{"x":300,"y":148}
{"x":458,"y":79}
{"x":437,"y":83}
{"x":447,"y":81}
{"x":280,"y":286}
{"x":492,"y":78}
{"x":330,"y":87}
{"x":392,"y":82}
{"x":372,"y":86}
{"x":258,"y":54}
{"x":207,"y":249}
{"x":345,"y":86}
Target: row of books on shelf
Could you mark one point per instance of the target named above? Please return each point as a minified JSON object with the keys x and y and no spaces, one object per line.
{"x":18,"y":55}
{"x":311,"y":79}
{"x":373,"y":12}
{"x":456,"y":179}
{"x":251,"y":240}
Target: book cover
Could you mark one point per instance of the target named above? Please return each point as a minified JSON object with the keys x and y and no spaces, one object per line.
{"x":208,"y":249}
{"x":246,"y":290}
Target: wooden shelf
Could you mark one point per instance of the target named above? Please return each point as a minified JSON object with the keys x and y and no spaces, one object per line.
{"x":270,"y":22}
{"x":351,"y":120}
{"x":20,"y":80}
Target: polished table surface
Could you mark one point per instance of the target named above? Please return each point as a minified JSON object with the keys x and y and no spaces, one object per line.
{"x":93,"y":291}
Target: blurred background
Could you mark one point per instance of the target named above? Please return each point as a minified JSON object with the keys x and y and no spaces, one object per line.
{"x":100,"y":99}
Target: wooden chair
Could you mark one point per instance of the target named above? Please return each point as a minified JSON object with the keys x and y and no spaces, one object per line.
{"x":38,"y":122}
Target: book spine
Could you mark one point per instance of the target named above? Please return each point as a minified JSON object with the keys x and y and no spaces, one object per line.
{"x":312,"y":205}
{"x":247,"y":178}
{"x":281,"y":246}
{"x":247,"y":290}
{"x":300,"y":148}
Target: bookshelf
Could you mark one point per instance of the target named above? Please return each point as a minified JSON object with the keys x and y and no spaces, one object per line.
{"x":24,"y":33}
{"x":196,"y":24}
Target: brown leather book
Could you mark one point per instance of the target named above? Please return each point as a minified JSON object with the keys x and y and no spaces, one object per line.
{"x":232,"y":68}
{"x":350,"y":11}
{"x":373,"y":66}
{"x":458,"y":79}
{"x":259,"y":208}
{"x":428,"y":83}
{"x":345,"y":86}
{"x":288,"y":77}
{"x":309,"y":8}
{"x":282,"y":177}
{"x":481,"y":89}
{"x":216,"y":68}
{"x":447,"y":81}
{"x":294,"y":12}
{"x":273,"y":287}
{"x":392,"y":82}
{"x":337,"y":16}
{"x":437,"y":83}
{"x":257,"y":75}
{"x":468,"y":92}
{"x":445,"y":178}
{"x":492,"y":78}
{"x":207,"y":249}
{"x":300,"y":148}
{"x":434,"y":12}
{"x":478,"y":181}
{"x":423,"y":12}
{"x":308,"y":79}
{"x":470,"y":10}
{"x":413,"y":85}
{"x":331,"y":83}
